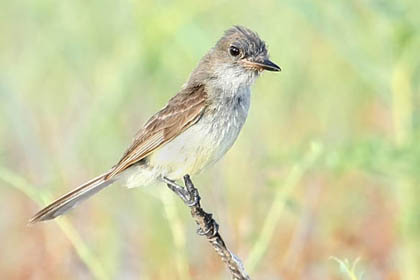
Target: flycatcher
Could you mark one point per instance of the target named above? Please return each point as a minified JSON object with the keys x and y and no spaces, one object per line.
{"x":195,"y":129}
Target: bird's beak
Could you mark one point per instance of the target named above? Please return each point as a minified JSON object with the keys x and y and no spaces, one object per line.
{"x":261,"y":65}
{"x":267,"y":65}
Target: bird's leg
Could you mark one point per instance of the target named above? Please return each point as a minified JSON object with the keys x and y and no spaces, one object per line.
{"x":192,"y":192}
{"x":188,"y":194}
{"x":179,"y":190}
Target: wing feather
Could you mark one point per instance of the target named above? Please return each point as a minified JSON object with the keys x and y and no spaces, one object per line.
{"x":182,"y":111}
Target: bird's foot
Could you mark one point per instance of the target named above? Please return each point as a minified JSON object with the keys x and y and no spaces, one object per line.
{"x":194,"y":197}
{"x":188,"y":194}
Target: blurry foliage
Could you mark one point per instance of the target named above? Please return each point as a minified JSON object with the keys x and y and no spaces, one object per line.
{"x":348,"y":269}
{"x":78,"y":78}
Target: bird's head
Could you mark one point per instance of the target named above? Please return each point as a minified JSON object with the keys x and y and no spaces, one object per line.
{"x":241,"y":47}
{"x":235,"y":61}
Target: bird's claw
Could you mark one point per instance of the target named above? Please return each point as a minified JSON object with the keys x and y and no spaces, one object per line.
{"x":188,"y":194}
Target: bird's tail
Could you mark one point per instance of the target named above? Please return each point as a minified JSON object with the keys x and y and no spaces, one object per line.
{"x":71,"y":199}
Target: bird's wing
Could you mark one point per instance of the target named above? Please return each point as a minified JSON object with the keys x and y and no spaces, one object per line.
{"x":182,"y":111}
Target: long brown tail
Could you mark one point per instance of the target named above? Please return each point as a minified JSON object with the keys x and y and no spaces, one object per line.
{"x":71,"y":199}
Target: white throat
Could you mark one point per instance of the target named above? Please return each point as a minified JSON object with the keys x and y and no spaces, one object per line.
{"x":232,"y":79}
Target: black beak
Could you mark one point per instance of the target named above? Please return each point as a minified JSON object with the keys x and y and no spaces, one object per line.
{"x":262,"y":64}
{"x":269,"y":66}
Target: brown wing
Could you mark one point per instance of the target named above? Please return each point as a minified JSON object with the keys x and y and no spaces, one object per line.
{"x":182,"y":111}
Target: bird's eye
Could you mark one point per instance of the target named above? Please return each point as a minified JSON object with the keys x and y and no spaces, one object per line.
{"x":234,"y":51}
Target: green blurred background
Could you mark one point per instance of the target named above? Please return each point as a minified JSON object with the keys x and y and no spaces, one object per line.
{"x":326,"y":165}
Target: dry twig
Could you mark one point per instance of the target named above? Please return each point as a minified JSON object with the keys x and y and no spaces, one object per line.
{"x":208,"y":226}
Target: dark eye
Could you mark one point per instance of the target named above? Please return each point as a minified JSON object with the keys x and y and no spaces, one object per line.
{"x":234,"y":51}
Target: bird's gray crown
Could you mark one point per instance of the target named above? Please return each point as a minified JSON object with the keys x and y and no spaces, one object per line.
{"x":244,"y":39}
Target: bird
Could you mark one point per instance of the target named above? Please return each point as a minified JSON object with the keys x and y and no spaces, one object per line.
{"x":196,"y":127}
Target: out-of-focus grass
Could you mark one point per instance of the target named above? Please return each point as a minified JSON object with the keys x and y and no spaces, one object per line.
{"x":348,"y":269}
{"x":79,"y":78}
{"x":273,"y":216}
{"x":80,"y":246}
{"x":178,"y":234}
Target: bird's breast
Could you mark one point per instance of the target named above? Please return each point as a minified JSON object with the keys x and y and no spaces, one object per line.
{"x":206,"y":141}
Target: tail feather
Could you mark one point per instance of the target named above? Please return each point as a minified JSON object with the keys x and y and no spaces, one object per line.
{"x":71,"y":199}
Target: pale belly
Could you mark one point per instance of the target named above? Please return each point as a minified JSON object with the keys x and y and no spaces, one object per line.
{"x":199,"y":146}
